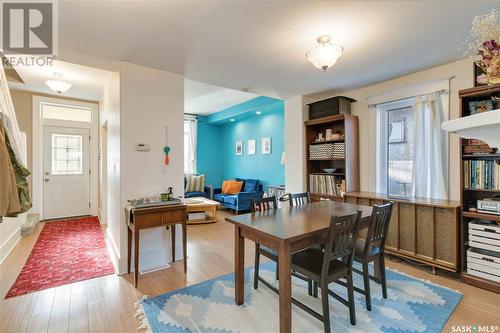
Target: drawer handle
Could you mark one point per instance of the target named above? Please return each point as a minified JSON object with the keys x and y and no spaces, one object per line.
{"x":487,"y":259}
{"x":489,"y":230}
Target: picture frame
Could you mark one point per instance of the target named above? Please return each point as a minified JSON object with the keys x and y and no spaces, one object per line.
{"x":239,"y":148}
{"x":265,"y":144}
{"x":480,"y":106}
{"x":477,"y":73}
{"x":251,"y":147}
{"x":397,"y":131}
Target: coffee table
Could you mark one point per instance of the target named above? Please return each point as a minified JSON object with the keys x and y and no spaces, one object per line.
{"x":202,"y":205}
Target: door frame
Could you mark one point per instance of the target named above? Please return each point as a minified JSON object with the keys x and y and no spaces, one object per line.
{"x":38,"y":147}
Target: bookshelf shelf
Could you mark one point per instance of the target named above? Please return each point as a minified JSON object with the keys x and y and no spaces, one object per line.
{"x":329,"y":141}
{"x":483,"y":216}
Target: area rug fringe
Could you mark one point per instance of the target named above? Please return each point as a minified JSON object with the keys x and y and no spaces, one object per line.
{"x":140,"y":316}
{"x":425,"y":281}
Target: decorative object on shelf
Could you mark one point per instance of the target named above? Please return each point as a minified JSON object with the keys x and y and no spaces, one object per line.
{"x":330,"y":107}
{"x":337,"y":136}
{"x":251,"y":147}
{"x":476,"y":107}
{"x":480,"y":78}
{"x":328,"y":135}
{"x":323,"y":151}
{"x":320,"y":138}
{"x":397,"y":132}
{"x":329,"y":170}
{"x":57,"y":83}
{"x":483,"y":44}
{"x":266,"y":145}
{"x":475,"y":146}
{"x":339,"y":150}
{"x":325,"y":54}
{"x":239,"y":148}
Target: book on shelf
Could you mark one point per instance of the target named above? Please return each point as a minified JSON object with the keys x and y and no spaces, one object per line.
{"x":327,"y":184}
{"x":482,"y":175}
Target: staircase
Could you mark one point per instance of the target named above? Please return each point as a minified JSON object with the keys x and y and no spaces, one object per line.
{"x":31,"y":222}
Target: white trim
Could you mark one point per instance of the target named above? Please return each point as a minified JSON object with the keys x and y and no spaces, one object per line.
{"x":119,"y":263}
{"x":37,"y":148}
{"x":9,"y":244}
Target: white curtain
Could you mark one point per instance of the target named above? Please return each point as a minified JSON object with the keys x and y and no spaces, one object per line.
{"x":381,"y":150}
{"x":430,"y":147}
{"x":190,"y":143}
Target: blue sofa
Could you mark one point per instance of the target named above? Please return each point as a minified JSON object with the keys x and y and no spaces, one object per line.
{"x":207,"y":192}
{"x":251,"y":189}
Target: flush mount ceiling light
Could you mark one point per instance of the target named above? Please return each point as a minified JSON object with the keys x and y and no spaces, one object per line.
{"x":57,"y":84}
{"x":325,"y":54}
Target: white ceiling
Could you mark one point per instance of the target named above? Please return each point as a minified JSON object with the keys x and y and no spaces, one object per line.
{"x":204,"y":99}
{"x":87,"y":82}
{"x":259,"y":46}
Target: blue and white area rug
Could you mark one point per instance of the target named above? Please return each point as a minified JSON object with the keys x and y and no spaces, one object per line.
{"x":412,"y":305}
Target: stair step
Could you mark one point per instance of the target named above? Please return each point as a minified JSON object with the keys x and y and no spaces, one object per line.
{"x":31,"y":222}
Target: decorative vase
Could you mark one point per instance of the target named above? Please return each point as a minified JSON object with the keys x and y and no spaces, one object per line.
{"x":493,"y":79}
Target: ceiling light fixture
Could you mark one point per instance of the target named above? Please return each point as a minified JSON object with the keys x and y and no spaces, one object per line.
{"x":232,"y":119}
{"x":57,"y":84}
{"x":258,"y":112}
{"x":325,"y":54}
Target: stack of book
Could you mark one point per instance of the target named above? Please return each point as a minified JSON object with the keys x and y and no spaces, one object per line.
{"x":326,"y":184}
{"x":482,"y":175}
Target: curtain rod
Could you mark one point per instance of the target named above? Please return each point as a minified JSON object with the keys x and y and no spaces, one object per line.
{"x":439,"y":92}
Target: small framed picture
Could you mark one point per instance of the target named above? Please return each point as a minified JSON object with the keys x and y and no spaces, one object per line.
{"x":397,"y":132}
{"x":480,"y":106}
{"x":266,"y":145}
{"x":239,"y":147}
{"x":251,"y":147}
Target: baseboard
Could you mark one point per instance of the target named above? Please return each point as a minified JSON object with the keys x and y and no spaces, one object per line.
{"x":103,"y":217}
{"x":9,"y":244}
{"x":119,"y":263}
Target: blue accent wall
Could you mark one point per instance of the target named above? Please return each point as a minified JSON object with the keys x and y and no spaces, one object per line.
{"x":216,"y":156}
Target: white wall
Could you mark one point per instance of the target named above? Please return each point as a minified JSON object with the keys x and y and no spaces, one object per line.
{"x":110,"y":115}
{"x":10,"y":233}
{"x":294,"y":147}
{"x":463,"y":78}
{"x":150,"y":100}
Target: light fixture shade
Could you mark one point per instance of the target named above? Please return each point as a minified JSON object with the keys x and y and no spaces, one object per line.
{"x":57,"y":84}
{"x":325,"y":55}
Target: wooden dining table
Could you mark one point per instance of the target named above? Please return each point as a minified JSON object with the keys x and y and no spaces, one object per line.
{"x":287,"y":230}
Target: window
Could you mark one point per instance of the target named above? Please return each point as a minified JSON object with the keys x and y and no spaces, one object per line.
{"x":67,"y":151}
{"x":190,"y":137}
{"x":400,"y":152}
{"x":61,"y":112}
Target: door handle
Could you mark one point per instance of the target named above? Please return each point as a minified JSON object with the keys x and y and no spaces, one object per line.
{"x":47,"y":180}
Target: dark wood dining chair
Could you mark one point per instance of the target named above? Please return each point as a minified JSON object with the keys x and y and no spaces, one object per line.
{"x":331,"y":265}
{"x":299,"y":199}
{"x":261,"y":205}
{"x":372,"y":249}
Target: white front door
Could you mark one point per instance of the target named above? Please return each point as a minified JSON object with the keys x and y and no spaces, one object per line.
{"x":66,"y":172}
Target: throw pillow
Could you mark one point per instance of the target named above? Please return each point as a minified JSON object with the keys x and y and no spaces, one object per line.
{"x":195,"y":183}
{"x":233,"y":187}
{"x":224,"y":185}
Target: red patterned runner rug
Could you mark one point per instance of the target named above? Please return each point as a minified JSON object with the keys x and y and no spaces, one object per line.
{"x":66,"y":251}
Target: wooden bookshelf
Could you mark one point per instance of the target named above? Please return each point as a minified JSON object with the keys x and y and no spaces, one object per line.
{"x":348,"y":167}
{"x":468,"y":196}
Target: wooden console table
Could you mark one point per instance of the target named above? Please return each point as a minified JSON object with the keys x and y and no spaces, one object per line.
{"x":154,"y":217}
{"x":423,"y":230}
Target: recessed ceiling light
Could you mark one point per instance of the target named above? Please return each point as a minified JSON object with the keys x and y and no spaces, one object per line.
{"x":232,"y":119}
{"x":258,"y":112}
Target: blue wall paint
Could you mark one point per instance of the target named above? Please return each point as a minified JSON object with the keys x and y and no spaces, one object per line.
{"x":216,"y":146}
{"x":243,"y":110}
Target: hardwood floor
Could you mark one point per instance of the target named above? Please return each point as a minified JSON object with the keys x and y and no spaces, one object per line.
{"x":106,"y":304}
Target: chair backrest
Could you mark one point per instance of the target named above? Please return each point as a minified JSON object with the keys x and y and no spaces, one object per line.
{"x":264,"y":204}
{"x":379,"y":227}
{"x":299,"y":199}
{"x":342,"y":236}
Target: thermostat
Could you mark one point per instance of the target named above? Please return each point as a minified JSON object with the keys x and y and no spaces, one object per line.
{"x":142,"y":147}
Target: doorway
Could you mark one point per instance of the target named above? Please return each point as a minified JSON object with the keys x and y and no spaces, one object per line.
{"x":66,"y":172}
{"x":65,"y":158}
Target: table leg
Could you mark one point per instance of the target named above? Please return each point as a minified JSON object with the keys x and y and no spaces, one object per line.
{"x":285,"y":287}
{"x":136,"y":257}
{"x":184,"y":245}
{"x":172,"y":238}
{"x":215,"y":213}
{"x":239,"y":266}
{"x":129,"y":248}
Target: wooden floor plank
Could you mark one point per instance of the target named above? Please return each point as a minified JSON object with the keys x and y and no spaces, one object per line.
{"x":59,"y":316}
{"x":78,"y":313}
{"x":98,"y":320}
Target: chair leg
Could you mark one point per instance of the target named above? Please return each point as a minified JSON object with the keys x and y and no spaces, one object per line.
{"x":277,"y":271}
{"x":383,"y":281}
{"x":350,"y":294}
{"x":315,"y":289}
{"x":326,"y":307}
{"x":310,"y":287}
{"x":256,"y":267}
{"x":366,"y":279}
